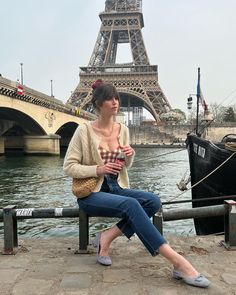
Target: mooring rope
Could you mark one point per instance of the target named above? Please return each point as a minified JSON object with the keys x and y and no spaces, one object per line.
{"x":158,"y":156}
{"x":205,"y":177}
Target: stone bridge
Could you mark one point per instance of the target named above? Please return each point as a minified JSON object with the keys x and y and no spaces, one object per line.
{"x":35,"y":123}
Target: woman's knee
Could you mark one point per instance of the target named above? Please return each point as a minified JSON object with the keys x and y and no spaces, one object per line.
{"x":155,"y":201}
{"x":131,"y":204}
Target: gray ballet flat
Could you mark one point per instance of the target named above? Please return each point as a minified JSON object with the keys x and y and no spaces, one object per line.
{"x":199,"y":281}
{"x":104,"y":260}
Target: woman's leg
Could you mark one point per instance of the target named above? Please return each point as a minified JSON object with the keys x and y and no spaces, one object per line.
{"x":110,"y":205}
{"x":150,"y":203}
{"x":178,"y":261}
{"x":106,"y":239}
{"x":127,"y":208}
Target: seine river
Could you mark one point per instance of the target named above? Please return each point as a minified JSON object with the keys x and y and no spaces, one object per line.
{"x":22,"y":183}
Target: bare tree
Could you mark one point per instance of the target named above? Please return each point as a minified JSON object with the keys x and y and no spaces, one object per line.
{"x":234,"y":108}
{"x":218,"y":112}
{"x":229,"y":115}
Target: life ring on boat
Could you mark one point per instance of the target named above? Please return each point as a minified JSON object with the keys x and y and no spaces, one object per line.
{"x":229,"y":138}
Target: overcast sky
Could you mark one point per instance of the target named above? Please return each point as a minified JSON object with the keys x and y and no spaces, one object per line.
{"x":53,"y":38}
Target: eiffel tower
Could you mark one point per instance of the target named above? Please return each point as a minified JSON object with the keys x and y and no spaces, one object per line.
{"x":137,"y":81}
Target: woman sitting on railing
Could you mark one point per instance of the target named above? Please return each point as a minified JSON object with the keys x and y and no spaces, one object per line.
{"x":95,"y":151}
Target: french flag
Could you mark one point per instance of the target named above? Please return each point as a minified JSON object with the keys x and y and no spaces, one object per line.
{"x":199,"y":93}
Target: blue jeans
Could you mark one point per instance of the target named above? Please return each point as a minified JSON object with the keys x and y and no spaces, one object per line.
{"x":134,"y":207}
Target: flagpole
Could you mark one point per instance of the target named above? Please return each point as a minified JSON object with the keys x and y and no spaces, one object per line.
{"x":198,"y":98}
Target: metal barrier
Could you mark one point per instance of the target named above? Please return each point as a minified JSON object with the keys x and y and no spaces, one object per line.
{"x":11,"y":214}
{"x":230,"y":226}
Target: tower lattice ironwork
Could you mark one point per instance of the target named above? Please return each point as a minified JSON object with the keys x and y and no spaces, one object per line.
{"x":137,"y":81}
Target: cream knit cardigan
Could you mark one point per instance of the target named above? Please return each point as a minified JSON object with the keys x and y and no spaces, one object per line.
{"x":83,"y":157}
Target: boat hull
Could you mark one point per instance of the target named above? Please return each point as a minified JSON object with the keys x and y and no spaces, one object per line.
{"x":204,"y":157}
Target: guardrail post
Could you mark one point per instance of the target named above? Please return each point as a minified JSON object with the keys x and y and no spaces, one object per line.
{"x":230,"y":225}
{"x":83,"y":231}
{"x":10,"y":230}
{"x":158,"y":220}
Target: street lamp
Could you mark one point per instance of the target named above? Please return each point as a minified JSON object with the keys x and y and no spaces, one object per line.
{"x":21,"y":72}
{"x":189,"y":106}
{"x":51,"y":88}
{"x":190,"y":100}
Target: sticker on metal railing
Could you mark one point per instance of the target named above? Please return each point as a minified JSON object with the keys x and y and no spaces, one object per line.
{"x":24,"y":212}
{"x":58,"y":211}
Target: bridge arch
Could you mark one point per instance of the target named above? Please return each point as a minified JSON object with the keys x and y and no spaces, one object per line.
{"x":66,"y":132}
{"x":17,"y":122}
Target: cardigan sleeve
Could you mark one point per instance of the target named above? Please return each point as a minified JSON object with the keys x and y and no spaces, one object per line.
{"x":129,"y":160}
{"x":73,"y":162}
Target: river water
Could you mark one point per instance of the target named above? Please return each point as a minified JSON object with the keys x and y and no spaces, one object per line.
{"x":24,"y":182}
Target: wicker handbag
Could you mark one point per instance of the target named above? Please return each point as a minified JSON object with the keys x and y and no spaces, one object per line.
{"x":82,"y":187}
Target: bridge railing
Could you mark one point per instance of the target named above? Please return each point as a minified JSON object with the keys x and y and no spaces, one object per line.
{"x":9,"y":88}
{"x":10,"y":215}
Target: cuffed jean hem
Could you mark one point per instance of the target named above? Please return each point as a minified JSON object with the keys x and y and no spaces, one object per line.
{"x":157,"y":251}
{"x":152,"y":245}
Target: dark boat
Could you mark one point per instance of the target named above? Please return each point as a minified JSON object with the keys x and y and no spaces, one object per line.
{"x":204,"y":158}
{"x":213,"y":165}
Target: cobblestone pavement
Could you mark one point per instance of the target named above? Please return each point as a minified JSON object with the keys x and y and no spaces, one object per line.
{"x":50,"y":266}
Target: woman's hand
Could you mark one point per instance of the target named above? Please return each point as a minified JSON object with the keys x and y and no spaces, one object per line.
{"x":127,"y":150}
{"x":109,"y":168}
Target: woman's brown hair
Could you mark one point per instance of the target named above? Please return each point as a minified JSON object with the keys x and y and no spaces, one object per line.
{"x":103,"y":91}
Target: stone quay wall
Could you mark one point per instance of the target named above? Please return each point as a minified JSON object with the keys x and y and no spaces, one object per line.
{"x":171,"y":134}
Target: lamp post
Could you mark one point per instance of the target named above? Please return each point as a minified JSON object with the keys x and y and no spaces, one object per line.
{"x":189,"y":106}
{"x":190,"y":101}
{"x":51,"y":88}
{"x":21,"y":73}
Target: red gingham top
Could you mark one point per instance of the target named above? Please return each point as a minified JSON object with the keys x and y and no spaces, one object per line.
{"x":108,"y":156}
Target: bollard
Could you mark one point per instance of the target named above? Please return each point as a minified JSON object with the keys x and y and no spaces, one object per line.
{"x":10,"y":230}
{"x":158,"y":221}
{"x":83,"y":232}
{"x":230,"y":225}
